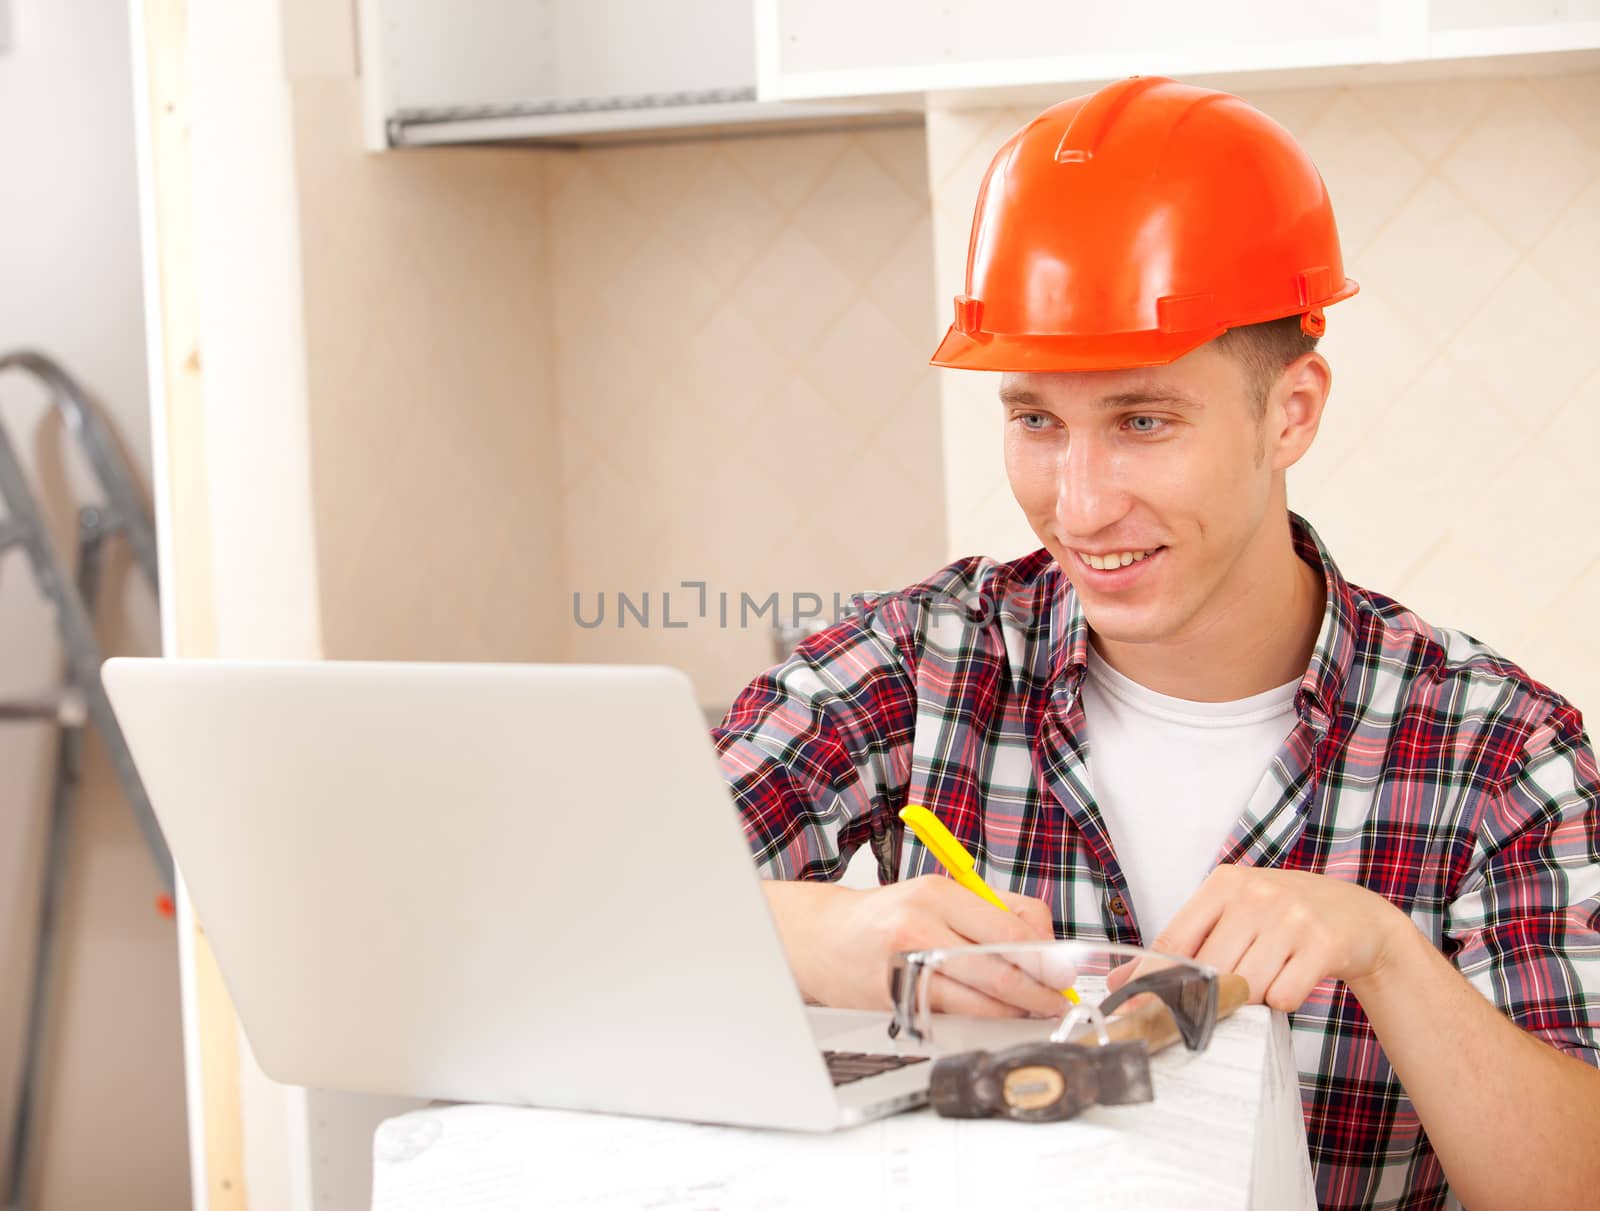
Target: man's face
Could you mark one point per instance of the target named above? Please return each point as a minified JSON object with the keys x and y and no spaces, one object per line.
{"x":1159,"y":475}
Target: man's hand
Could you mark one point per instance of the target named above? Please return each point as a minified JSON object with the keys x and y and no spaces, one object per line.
{"x":1454,"y":1051}
{"x":840,"y":940}
{"x":1286,"y":931}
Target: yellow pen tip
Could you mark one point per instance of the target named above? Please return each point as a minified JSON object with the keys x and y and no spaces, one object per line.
{"x":1072,"y":995}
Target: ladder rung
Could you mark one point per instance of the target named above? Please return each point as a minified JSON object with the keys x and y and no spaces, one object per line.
{"x":67,"y":708}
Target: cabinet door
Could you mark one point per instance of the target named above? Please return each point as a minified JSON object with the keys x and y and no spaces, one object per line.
{"x":967,"y":49}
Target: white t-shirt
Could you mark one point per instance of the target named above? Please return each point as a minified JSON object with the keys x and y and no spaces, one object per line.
{"x":1171,"y":777}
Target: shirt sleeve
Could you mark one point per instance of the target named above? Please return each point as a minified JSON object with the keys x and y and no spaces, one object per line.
{"x":1526,"y":919}
{"x":817,"y":750}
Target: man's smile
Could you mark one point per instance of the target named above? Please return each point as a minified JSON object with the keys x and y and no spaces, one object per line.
{"x":1107,"y":561}
{"x":1113,"y":570}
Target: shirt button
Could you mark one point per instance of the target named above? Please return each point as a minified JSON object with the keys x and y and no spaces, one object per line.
{"x":1119,"y":906}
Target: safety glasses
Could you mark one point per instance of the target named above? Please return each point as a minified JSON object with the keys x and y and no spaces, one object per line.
{"x":947,"y":999}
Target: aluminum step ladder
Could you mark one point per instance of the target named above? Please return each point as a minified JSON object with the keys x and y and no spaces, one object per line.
{"x":78,"y":704}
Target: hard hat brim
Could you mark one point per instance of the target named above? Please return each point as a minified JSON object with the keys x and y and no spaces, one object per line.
{"x":1025,"y":352}
{"x":1091,"y":351}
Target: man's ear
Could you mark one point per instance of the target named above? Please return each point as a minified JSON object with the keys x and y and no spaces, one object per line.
{"x":1294,"y":409}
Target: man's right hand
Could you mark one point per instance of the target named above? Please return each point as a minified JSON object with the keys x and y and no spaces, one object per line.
{"x":840,"y":941}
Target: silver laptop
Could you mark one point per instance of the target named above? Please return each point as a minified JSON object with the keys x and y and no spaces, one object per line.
{"x":496,"y":883}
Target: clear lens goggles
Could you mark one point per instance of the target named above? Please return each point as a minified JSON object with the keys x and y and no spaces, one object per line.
{"x":960,"y":997}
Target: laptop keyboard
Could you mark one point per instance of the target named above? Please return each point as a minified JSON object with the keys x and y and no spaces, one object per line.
{"x":847,"y":1066}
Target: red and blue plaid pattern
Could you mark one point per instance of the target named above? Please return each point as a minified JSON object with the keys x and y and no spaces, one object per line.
{"x":1423,"y":765}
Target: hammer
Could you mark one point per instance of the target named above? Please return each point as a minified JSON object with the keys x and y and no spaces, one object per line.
{"x":1050,"y":1081}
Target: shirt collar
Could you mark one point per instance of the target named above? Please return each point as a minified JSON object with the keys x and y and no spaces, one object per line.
{"x":1322,"y":687}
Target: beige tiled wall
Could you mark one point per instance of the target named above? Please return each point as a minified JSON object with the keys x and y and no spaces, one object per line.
{"x":744,"y":326}
{"x":428,"y":358}
{"x":1455,"y":467}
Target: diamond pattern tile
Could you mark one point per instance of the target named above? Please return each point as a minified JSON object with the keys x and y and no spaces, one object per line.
{"x":1527,"y":346}
{"x":653,"y":179}
{"x":904,"y":159}
{"x":1551,"y":651}
{"x":1575,"y":98}
{"x":794,"y":292}
{"x":731,"y":365}
{"x":593,"y":229}
{"x":787,"y":166}
{"x":1295,"y":109}
{"x":744,"y":326}
{"x":1534,"y":514}
{"x":1436,"y":258}
{"x":867,"y":362}
{"x":1520,"y":163}
{"x":1429,"y":116}
{"x":857,"y":211}
{"x":1568,"y":253}
{"x":1392,"y":353}
{"x":721,"y":219}
{"x":901,"y":287}
{"x":1349,"y":146}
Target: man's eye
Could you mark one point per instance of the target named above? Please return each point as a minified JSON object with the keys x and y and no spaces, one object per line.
{"x":1027,"y":419}
{"x":1146,"y":424}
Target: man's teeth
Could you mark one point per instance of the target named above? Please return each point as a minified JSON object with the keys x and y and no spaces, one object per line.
{"x":1118,"y":559}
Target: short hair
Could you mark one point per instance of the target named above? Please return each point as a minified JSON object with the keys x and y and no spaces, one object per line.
{"x":1264,"y":350}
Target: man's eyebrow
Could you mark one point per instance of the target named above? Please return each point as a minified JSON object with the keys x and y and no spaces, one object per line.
{"x":1124,"y":399}
{"x":1021,"y":397}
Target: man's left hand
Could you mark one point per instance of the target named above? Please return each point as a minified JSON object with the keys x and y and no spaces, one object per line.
{"x":1285,"y":931}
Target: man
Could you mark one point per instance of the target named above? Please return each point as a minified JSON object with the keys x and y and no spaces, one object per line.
{"x":1401,"y":828}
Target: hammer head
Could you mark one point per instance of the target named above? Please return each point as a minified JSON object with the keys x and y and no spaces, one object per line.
{"x":1040,"y":1082}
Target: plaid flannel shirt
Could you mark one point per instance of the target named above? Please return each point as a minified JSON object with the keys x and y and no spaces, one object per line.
{"x":1422,"y":764}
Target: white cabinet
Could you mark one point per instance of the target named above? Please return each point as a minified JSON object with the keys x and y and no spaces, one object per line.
{"x":454,"y":71}
{"x":811,"y":49}
{"x":823,"y":48}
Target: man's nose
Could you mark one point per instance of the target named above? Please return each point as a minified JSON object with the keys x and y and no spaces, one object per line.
{"x":1089,"y":493}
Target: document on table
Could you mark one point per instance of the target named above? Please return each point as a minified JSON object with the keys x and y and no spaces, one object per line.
{"x":1195,"y":1146}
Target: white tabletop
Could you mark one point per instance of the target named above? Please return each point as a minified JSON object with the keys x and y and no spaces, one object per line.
{"x":1225,"y":1131}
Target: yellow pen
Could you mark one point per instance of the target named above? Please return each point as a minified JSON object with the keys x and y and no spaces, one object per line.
{"x":953,"y":856}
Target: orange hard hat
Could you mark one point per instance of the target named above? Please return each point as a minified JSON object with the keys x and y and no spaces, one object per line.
{"x":1129,"y":226}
